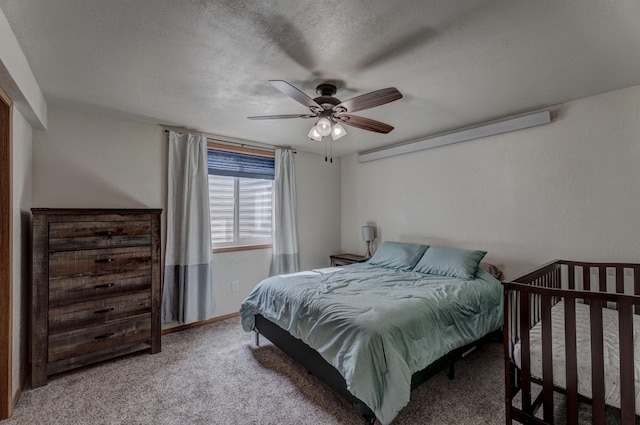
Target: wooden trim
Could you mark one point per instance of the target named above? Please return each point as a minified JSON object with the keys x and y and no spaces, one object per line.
{"x":241,"y":149}
{"x":156,"y":279}
{"x":39,"y":299}
{"x":6,"y":258}
{"x":198,"y":324}
{"x":240,"y":248}
{"x":597,"y":363}
{"x":18,"y":393}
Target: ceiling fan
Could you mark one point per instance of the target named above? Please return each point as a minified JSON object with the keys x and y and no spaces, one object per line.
{"x":332,"y":112}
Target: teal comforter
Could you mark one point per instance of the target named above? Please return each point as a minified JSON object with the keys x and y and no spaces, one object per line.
{"x":378,"y":326}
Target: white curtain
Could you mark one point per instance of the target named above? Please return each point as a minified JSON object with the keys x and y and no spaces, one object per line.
{"x":285,"y":237}
{"x":188,"y":286}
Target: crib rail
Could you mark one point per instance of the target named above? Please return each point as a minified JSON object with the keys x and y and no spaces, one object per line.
{"x":528,"y":299}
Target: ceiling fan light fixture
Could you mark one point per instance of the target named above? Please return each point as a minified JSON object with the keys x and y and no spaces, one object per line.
{"x":314,"y":134}
{"x":337,"y":131}
{"x":324,"y":126}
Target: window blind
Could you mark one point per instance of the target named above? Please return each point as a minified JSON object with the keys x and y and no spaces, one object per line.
{"x":255,"y":204}
{"x":232,"y":164}
{"x":222,"y":209}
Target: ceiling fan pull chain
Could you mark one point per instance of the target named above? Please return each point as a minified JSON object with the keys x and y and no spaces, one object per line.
{"x":325,"y":150}
{"x":330,"y":151}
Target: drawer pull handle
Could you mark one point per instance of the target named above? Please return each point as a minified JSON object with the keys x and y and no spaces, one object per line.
{"x":104,"y":310}
{"x":105,"y":285}
{"x":105,"y":260}
{"x":105,"y":233}
{"x":105,"y":336}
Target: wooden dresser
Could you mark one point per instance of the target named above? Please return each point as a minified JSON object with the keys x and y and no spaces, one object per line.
{"x":96,"y":286}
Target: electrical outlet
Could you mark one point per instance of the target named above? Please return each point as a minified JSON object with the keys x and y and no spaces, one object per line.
{"x":235,"y":286}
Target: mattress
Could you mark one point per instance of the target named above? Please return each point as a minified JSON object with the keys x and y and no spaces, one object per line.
{"x":583,"y":346}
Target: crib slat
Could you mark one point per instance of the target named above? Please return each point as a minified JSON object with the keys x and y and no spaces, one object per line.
{"x":557,"y":283}
{"x":507,"y":312}
{"x":586,"y":281}
{"x":597,"y":363}
{"x":571,"y":359}
{"x":620,"y":280}
{"x":586,"y":278}
{"x":525,"y":352}
{"x":547,"y":359}
{"x":627,"y":388}
{"x":636,"y":285}
{"x":572,"y":276}
{"x":602,"y":278}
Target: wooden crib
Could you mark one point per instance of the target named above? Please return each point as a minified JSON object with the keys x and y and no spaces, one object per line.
{"x":540,"y":311}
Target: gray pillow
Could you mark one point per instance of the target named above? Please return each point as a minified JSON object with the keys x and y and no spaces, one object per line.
{"x":397,"y":255}
{"x":452,"y":262}
{"x":493,"y":270}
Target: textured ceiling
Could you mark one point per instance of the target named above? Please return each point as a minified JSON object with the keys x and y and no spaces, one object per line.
{"x":206,"y":64}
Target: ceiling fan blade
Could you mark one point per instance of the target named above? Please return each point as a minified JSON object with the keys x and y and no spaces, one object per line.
{"x":370,"y":100}
{"x":365,"y":123}
{"x":277,"y":117}
{"x":295,"y":94}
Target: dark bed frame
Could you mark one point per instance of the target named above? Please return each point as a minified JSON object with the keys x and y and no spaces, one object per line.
{"x":529,"y":298}
{"x":311,"y":360}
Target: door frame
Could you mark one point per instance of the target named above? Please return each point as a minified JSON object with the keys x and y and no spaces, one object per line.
{"x":6,"y":258}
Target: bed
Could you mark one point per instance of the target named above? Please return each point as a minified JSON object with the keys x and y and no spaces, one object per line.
{"x":573,"y":328}
{"x":375,"y":330}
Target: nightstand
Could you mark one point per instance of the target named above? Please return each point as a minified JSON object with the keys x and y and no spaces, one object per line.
{"x":344,"y":259}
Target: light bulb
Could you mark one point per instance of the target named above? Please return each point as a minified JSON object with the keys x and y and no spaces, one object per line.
{"x":337,"y":132}
{"x":324,"y":126}
{"x":314,"y":135}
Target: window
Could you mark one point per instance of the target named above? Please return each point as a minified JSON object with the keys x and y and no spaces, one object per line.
{"x":240,"y":196}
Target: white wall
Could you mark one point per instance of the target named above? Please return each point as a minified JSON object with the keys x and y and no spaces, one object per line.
{"x":94,"y":160}
{"x":17,"y":80}
{"x":318,"y":194}
{"x":22,"y":143}
{"x":89,"y":160}
{"x":567,"y":190}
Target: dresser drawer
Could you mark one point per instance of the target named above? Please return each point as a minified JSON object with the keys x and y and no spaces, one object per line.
{"x":98,"y":234}
{"x":81,"y":315}
{"x":98,"y":261}
{"x":70,"y":290}
{"x":82,"y":341}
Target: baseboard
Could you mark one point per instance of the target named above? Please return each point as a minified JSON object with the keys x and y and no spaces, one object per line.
{"x":18,"y":393}
{"x":198,"y":324}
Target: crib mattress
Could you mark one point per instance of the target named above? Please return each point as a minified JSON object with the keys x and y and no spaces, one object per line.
{"x":583,"y":345}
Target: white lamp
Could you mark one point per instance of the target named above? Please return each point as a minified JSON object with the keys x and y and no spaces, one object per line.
{"x":368,"y":235}
{"x":314,"y":135}
{"x":337,"y":132}
{"x":323,"y":126}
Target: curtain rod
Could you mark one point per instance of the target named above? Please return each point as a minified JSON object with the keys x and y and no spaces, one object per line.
{"x":243,"y":144}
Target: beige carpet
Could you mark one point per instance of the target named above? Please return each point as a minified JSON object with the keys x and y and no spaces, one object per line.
{"x":215,"y":375}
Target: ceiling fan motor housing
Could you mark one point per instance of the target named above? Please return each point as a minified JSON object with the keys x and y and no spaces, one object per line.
{"x":326,"y":89}
{"x":326,"y":99}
